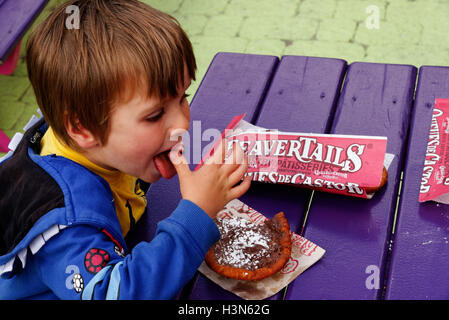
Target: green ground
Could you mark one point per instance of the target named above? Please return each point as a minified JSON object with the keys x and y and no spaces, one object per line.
{"x":406,"y":32}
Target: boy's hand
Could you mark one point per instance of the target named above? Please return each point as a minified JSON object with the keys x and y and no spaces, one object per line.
{"x":213,"y":185}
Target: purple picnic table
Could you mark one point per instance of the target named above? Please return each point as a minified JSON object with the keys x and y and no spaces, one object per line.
{"x":389,"y":247}
{"x":16,"y":16}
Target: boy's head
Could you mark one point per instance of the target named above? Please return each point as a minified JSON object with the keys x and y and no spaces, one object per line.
{"x":125,"y":54}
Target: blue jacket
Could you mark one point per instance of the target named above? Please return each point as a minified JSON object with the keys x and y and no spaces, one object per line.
{"x":61,"y":237}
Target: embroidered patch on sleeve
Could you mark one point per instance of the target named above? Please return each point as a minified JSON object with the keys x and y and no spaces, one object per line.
{"x":95,"y":260}
{"x":78,"y":282}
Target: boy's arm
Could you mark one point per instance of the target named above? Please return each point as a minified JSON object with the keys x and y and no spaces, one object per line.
{"x":81,"y":261}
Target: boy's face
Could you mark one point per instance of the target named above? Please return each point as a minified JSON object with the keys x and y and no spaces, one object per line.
{"x":140,"y":130}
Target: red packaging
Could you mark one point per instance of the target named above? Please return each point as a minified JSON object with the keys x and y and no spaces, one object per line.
{"x":343,"y":164}
{"x":435,"y":177}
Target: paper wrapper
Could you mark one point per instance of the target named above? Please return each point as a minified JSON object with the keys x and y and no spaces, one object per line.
{"x":304,"y":254}
{"x":435,"y":177}
{"x":342,"y":164}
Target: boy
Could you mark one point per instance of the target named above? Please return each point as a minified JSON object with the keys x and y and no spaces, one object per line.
{"x":113,"y":98}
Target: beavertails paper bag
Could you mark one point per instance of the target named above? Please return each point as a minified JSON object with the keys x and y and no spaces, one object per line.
{"x":304,"y":254}
{"x":435,"y":177}
{"x":343,"y":164}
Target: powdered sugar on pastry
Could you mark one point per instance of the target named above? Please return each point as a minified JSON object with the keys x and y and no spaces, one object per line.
{"x":244,"y":244}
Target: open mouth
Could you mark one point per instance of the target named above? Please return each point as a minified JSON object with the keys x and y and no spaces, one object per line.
{"x":164,"y":165}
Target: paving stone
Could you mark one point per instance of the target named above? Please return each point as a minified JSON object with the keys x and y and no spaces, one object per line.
{"x":14,"y":86}
{"x":164,"y":5}
{"x":357,"y":9}
{"x":435,"y":23}
{"x":273,"y":28}
{"x":389,"y":32}
{"x":436,"y":37}
{"x":29,"y":98}
{"x":416,"y":55}
{"x":267,"y":46}
{"x":323,"y":9}
{"x":223,"y":25}
{"x":193,"y":24}
{"x":417,"y":11}
{"x":10,"y":111}
{"x":201,"y":7}
{"x":336,"y":30}
{"x":273,"y":8}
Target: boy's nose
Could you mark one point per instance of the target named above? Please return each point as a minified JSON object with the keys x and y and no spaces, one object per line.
{"x":183,"y":118}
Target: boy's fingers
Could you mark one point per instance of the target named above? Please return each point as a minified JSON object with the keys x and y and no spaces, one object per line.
{"x":232,"y":159}
{"x":241,"y":189}
{"x":237,"y":158}
{"x":237,"y":175}
{"x":219,"y":154}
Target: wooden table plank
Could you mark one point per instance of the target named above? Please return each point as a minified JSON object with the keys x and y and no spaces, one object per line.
{"x":16,"y":16}
{"x":301,"y":86}
{"x":420,"y":258}
{"x":376,"y":100}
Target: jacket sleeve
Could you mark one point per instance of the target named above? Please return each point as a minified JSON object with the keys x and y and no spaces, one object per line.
{"x":83,"y":263}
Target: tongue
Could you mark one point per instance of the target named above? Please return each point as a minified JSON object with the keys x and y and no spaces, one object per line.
{"x":164,"y":165}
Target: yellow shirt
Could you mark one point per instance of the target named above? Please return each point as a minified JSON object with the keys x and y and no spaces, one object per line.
{"x":129,"y":199}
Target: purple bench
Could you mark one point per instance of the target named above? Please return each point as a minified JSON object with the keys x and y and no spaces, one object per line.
{"x":16,"y":16}
{"x":420,"y":257}
{"x":323,"y":95}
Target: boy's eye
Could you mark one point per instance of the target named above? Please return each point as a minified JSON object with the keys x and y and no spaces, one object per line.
{"x":156,"y":117}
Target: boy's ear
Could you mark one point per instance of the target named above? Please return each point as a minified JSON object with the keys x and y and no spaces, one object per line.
{"x":82,"y":137}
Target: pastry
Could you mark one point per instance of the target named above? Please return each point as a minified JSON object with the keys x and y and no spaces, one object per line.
{"x":248,"y":251}
{"x":381,"y":184}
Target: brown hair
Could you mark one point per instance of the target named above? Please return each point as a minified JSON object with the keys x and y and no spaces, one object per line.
{"x":121,"y":45}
